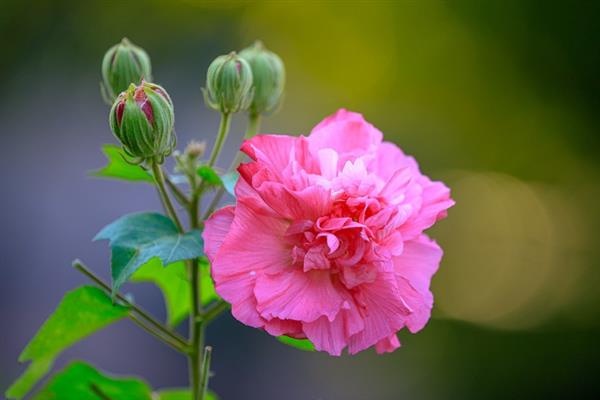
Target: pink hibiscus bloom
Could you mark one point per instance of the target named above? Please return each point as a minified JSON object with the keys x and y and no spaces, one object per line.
{"x":326,"y":239}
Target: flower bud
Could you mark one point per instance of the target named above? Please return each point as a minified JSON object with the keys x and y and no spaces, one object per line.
{"x":268,"y":74}
{"x":229,"y":84}
{"x":124,"y":64}
{"x":142,"y":119}
{"x":195,"y":149}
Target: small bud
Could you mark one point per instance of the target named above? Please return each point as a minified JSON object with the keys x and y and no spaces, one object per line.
{"x":124,"y":64}
{"x":229,"y":84}
{"x":268,"y":74}
{"x":142,"y":119}
{"x":195,"y":149}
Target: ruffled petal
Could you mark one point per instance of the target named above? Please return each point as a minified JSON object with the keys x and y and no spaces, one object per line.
{"x":297,"y":295}
{"x":216,"y":228}
{"x":387,"y":345}
{"x":347,"y":133}
{"x":414,"y":269}
{"x":383,"y":310}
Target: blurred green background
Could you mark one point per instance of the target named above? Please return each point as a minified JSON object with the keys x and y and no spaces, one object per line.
{"x":497,"y":98}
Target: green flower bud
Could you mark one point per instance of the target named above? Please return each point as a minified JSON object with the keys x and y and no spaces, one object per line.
{"x":229,"y":84}
{"x":142,"y":119}
{"x":124,"y":64}
{"x":268,"y":74}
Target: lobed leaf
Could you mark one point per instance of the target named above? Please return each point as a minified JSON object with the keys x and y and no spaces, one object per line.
{"x":135,"y":239}
{"x":80,"y":381}
{"x":119,"y":168}
{"x":302,"y":344}
{"x":81,"y":312}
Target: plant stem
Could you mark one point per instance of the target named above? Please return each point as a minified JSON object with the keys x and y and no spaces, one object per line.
{"x":175,"y":345}
{"x":160,"y":182}
{"x":179,"y":195}
{"x":221,"y":136}
{"x":254,"y":121}
{"x":196,"y":332}
{"x":214,"y":311}
{"x":196,"y":329}
{"x":77,"y":264}
{"x":206,"y":368}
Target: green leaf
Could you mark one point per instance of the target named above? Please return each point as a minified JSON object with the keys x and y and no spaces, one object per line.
{"x":182,"y":394}
{"x":81,"y":312}
{"x":80,"y":381}
{"x":174,"y":282}
{"x":136,"y":239}
{"x":229,"y":181}
{"x":302,"y":344}
{"x":209,"y":175}
{"x":207,"y":287}
{"x":119,"y":168}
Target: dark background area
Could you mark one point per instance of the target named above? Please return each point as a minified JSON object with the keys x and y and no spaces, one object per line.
{"x":497,"y":98}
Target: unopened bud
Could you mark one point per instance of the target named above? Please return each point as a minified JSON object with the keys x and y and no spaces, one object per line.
{"x":195,"y":149}
{"x":229,"y":84}
{"x":124,"y":64}
{"x":142,"y":119}
{"x":268,"y":74}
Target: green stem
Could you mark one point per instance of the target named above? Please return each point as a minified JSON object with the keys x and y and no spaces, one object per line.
{"x":160,"y":182}
{"x":214,"y":311}
{"x":196,"y":331}
{"x":179,"y":195}
{"x":254,"y":121}
{"x":221,"y":136}
{"x":172,"y":335}
{"x":196,"y":328}
{"x":175,"y":345}
{"x":206,"y":371}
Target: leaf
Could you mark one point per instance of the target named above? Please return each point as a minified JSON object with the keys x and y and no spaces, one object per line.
{"x":209,"y":175}
{"x":80,"y":381}
{"x":302,"y":344}
{"x":229,"y":181}
{"x":182,"y":394}
{"x":174,"y":282}
{"x":207,"y":287}
{"x":136,"y":239}
{"x":81,"y":312}
{"x":118,"y":168}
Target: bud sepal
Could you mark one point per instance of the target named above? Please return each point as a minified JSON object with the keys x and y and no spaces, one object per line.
{"x":142,"y":119}
{"x":229,"y":84}
{"x":124,"y":64}
{"x":268,"y":74}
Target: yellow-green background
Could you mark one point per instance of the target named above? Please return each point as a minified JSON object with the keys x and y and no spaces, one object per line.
{"x":497,"y":98}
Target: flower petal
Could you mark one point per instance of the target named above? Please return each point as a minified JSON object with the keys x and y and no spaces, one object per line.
{"x":297,"y":295}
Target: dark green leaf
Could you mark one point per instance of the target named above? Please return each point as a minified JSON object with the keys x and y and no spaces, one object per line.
{"x":229,"y":181}
{"x":302,"y":344}
{"x":135,"y":239}
{"x":80,"y":381}
{"x":80,"y":313}
{"x":209,"y":175}
{"x":181,"y":394}
{"x":118,"y":168}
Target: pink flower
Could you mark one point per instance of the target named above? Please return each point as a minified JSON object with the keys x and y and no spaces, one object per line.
{"x":326,"y":239}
